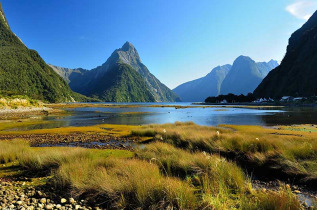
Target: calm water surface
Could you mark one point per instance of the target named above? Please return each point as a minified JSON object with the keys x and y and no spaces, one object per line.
{"x":202,"y":116}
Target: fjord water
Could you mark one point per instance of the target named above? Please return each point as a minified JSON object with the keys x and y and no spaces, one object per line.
{"x":140,"y":114}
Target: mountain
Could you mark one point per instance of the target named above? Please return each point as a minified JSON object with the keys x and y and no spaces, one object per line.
{"x":297,"y":74}
{"x":245,"y":75}
{"x":24,"y":72}
{"x":198,"y":90}
{"x":132,"y":82}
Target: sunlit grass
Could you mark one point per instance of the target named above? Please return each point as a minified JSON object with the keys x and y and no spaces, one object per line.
{"x":274,"y":200}
{"x":127,"y":183}
{"x":103,"y":129}
{"x":160,"y":176}
{"x":291,"y":148}
{"x":9,"y":150}
{"x":220,"y":183}
{"x":17,"y":102}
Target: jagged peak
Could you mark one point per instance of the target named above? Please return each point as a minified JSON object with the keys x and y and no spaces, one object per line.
{"x":127,"y":46}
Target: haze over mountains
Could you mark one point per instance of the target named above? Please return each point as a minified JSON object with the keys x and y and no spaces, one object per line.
{"x":245,"y":75}
{"x":122,"y":78}
{"x":240,"y":78}
{"x":297,"y":74}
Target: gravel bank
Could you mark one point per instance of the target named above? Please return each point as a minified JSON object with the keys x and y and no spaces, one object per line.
{"x":15,"y":195}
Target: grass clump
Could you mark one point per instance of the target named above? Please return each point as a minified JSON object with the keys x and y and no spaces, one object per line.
{"x":272,"y":200}
{"x":10,"y":150}
{"x":287,"y":152}
{"x":125,"y":184}
{"x":220,"y":183}
{"x":160,"y":176}
{"x":17,"y":101}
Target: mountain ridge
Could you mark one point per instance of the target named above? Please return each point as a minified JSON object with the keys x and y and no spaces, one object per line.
{"x":245,"y":75}
{"x":87,"y":81}
{"x":212,"y":84}
{"x":296,"y":75}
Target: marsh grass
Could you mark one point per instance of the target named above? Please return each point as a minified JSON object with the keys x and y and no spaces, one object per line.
{"x":220,"y":183}
{"x":160,"y":176}
{"x":128,"y":184}
{"x":274,"y":200}
{"x":291,"y":150}
{"x":10,"y":150}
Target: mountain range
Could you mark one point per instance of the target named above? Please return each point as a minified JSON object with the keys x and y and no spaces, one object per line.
{"x":122,"y":78}
{"x":297,"y":74}
{"x":240,"y":78}
{"x":245,"y":75}
{"x":24,"y":72}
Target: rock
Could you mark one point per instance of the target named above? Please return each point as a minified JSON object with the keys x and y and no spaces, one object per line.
{"x":43,"y":200}
{"x":72,"y":201}
{"x":49,"y":206}
{"x":63,"y":200}
{"x":39,"y":193}
{"x":19,"y":203}
{"x":77,"y":207}
{"x":58,"y":206}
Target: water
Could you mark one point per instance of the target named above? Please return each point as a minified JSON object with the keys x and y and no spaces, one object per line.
{"x":197,"y":114}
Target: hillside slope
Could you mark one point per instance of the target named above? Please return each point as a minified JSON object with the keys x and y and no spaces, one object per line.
{"x":23,"y":71}
{"x":297,"y":74}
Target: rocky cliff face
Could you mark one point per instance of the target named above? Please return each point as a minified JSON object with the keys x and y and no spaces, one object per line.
{"x":91,"y":82}
{"x":297,"y":74}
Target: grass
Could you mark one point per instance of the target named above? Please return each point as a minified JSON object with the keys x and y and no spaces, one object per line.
{"x":274,"y":200}
{"x":292,"y":151}
{"x":9,"y":150}
{"x":129,"y":184}
{"x":160,"y":176}
{"x":15,"y":102}
{"x":221,"y":184}
{"x":104,"y":129}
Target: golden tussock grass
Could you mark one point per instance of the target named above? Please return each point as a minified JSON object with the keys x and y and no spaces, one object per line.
{"x":296,"y":148}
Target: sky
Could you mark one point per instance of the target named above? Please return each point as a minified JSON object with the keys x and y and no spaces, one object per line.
{"x":177,"y":40}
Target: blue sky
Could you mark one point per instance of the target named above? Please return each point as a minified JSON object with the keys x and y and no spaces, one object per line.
{"x":177,"y":40}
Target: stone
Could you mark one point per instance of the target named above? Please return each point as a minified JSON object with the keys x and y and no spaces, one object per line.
{"x":49,"y":206}
{"x":43,"y":200}
{"x":72,"y":200}
{"x":63,"y":200}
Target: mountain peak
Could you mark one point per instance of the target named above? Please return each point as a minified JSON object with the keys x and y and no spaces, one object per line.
{"x":127,"y":46}
{"x":243,"y":58}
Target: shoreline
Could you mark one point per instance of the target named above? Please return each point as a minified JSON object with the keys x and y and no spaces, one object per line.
{"x":25,"y":112}
{"x":256,"y":104}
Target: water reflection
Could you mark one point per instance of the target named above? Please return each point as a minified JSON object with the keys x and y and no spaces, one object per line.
{"x":202,"y":116}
